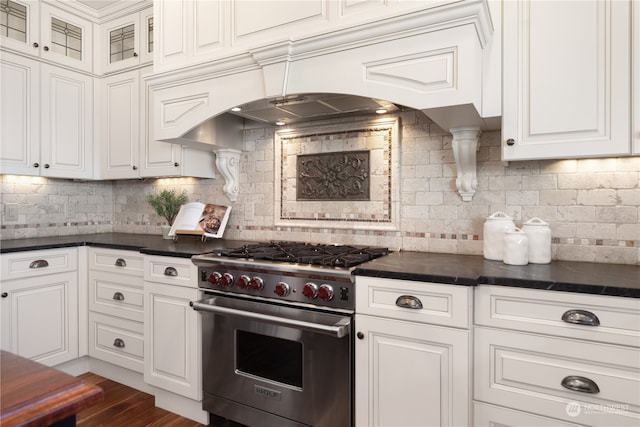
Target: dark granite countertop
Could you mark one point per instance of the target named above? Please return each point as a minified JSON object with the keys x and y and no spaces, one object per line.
{"x":184,"y":247}
{"x":465,"y":270}
{"x":470,"y":270}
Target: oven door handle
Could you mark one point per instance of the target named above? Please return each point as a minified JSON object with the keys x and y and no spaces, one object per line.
{"x":337,"y":330}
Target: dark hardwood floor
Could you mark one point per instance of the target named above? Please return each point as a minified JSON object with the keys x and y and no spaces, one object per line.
{"x":125,"y":406}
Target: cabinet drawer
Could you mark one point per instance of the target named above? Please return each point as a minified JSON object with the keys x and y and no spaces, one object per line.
{"x":170,"y":270}
{"x":542,"y":311}
{"x":37,"y":263}
{"x":116,"y":294}
{"x":117,"y":261}
{"x":118,"y":341}
{"x":447,"y":305}
{"x":490,"y":415}
{"x":527,"y":371}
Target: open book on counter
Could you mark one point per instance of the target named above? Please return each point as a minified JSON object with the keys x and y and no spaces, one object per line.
{"x":197,"y":218}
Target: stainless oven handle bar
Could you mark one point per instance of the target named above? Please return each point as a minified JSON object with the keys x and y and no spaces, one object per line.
{"x":337,"y":330}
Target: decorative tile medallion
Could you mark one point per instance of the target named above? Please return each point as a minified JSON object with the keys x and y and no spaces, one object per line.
{"x":338,"y":176}
{"x":333,"y":176}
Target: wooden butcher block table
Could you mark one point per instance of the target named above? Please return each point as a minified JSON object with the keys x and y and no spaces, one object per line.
{"x":32,"y":394}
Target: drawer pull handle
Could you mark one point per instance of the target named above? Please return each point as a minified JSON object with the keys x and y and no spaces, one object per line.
{"x":118,"y":296}
{"x":121,"y":263}
{"x":409,"y":301}
{"x":118,"y":343}
{"x":581,"y":317}
{"x":39,"y":263}
{"x":170,"y":271}
{"x":581,"y":384}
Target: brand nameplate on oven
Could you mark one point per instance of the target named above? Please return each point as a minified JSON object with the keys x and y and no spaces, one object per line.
{"x":267,"y":392}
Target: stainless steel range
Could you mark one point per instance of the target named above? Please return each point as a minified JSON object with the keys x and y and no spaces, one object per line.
{"x":277,"y":345}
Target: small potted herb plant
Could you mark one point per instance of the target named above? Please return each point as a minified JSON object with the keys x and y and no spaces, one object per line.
{"x":167,"y":204}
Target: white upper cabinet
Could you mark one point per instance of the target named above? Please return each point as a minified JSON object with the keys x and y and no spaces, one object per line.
{"x":127,"y":147}
{"x":43,"y":30}
{"x":567,"y":76}
{"x":126,"y":42}
{"x":47,"y":119}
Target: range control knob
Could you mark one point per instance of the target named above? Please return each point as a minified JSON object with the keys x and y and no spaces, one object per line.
{"x":256,"y":283}
{"x":214,"y":278}
{"x":226,"y":280}
{"x":310,"y":290}
{"x":243,"y":281}
{"x":282,"y":289}
{"x":325,"y":292}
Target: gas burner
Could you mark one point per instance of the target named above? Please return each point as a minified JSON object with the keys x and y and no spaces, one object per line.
{"x":305,"y":253}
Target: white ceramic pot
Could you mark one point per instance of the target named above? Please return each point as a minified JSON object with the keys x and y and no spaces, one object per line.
{"x":516,"y":247}
{"x":539,"y":235}
{"x":494,"y":230}
{"x":165,"y":231}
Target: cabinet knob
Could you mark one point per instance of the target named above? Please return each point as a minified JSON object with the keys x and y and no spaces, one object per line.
{"x":118,"y":296}
{"x":46,"y":48}
{"x":580,"y":317}
{"x":135,"y":53}
{"x":118,"y":343}
{"x":581,"y":384}
{"x":35,"y":44}
{"x":135,"y":168}
{"x":176,"y":164}
{"x":46,"y":165}
{"x":36,"y":165}
{"x":120,"y":263}
{"x":4,"y":295}
{"x":360,"y":335}
{"x":511,"y":142}
{"x":170,"y":271}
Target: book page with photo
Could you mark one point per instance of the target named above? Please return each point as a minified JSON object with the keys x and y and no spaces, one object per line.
{"x":200,"y":218}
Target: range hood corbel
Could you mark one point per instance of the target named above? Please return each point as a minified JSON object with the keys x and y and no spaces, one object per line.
{"x":228,"y":164}
{"x":465,"y":147}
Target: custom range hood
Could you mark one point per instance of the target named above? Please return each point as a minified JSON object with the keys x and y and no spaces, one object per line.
{"x":437,"y":57}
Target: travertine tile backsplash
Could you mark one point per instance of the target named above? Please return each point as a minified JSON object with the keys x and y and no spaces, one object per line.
{"x":592,"y":205}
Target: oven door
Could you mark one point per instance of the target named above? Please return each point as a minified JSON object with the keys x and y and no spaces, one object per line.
{"x":271,"y":365}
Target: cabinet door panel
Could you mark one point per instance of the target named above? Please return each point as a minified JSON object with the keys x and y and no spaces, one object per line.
{"x":566,"y":90}
{"x":19,"y":122}
{"x":40,"y":318}
{"x":67,"y":123}
{"x":120,"y":130}
{"x":20,"y":26}
{"x":409,"y":374}
{"x":66,"y":38}
{"x":172,"y":339}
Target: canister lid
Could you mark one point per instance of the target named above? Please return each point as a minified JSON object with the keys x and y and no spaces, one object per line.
{"x":535,"y":221}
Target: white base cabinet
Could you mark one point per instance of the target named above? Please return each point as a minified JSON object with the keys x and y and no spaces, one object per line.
{"x":172,"y":329}
{"x":540,"y":354}
{"x":410,"y":372}
{"x":116,"y":307}
{"x":40,"y":305}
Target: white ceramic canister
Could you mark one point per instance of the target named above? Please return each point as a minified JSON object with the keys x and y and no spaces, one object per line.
{"x":539,"y":235}
{"x":494,"y":229}
{"x":516,"y":247}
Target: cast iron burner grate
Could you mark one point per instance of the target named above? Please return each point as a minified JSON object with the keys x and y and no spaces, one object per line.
{"x":306,"y":253}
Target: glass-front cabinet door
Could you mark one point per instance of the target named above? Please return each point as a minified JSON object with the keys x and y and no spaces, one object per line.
{"x":127,"y":41}
{"x":19,"y":25}
{"x":45,"y":31}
